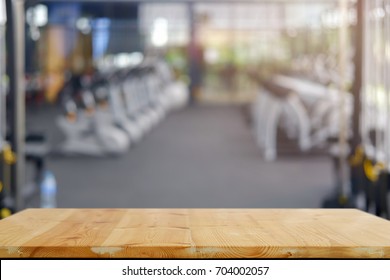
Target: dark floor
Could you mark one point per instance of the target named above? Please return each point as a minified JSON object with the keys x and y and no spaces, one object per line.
{"x":203,"y":156}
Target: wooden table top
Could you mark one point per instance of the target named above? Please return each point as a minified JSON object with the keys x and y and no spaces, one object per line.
{"x":194,"y":233}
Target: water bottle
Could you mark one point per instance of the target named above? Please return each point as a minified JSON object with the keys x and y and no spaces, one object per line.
{"x":48,"y":190}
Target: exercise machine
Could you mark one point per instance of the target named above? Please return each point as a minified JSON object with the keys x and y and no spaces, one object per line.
{"x":86,"y":131}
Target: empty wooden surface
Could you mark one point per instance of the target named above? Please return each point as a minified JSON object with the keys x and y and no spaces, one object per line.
{"x":195,"y":233}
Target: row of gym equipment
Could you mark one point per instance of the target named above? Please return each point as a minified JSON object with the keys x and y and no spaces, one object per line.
{"x":317,"y":110}
{"x":104,"y":114}
{"x":108,"y":112}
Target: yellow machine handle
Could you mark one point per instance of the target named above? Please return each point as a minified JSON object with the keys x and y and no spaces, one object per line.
{"x":8,"y":155}
{"x":5,"y":212}
{"x":9,"y":158}
{"x":372,"y":171}
{"x":357,"y":158}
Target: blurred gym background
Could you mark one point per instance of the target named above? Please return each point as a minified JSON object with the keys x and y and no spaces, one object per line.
{"x":185,"y":103}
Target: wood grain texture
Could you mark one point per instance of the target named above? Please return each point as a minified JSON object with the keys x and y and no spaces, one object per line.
{"x":194,"y":233}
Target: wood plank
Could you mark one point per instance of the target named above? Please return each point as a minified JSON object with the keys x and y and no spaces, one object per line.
{"x":194,"y":233}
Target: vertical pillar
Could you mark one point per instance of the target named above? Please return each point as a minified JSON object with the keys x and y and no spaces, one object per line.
{"x":3,"y":20}
{"x":358,"y":75}
{"x":343,"y":118}
{"x":193,"y":53}
{"x":15,"y":70}
{"x":357,"y":173}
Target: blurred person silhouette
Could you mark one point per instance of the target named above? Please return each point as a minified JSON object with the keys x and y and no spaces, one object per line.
{"x":196,"y":70}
